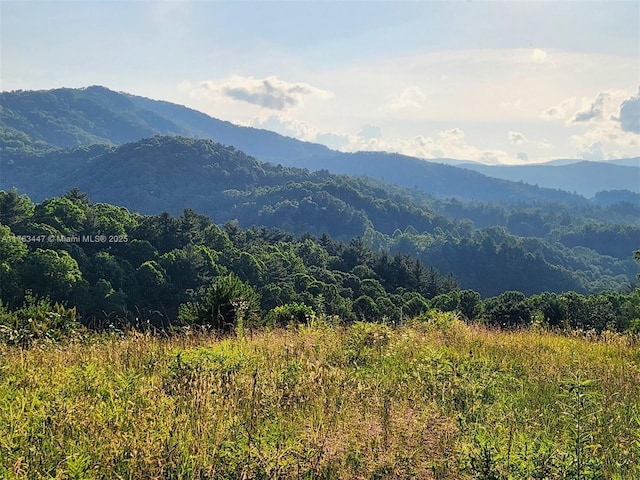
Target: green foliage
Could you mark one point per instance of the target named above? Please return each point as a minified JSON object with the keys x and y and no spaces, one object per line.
{"x":289,"y":314}
{"x":509,"y":309}
{"x":14,"y":208}
{"x":224,"y":306}
{"x":434,"y":318}
{"x":560,"y":250}
{"x":581,"y":408}
{"x":148,"y":266}
{"x":52,"y":273}
{"x":37,"y":320}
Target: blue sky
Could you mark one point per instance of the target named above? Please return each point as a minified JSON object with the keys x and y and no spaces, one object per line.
{"x":497,"y":82}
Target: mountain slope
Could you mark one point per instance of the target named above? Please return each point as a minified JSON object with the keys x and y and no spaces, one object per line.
{"x":585,"y":178}
{"x":69,"y":117}
{"x":435,"y":178}
{"x":37,"y":121}
{"x":175,"y":173}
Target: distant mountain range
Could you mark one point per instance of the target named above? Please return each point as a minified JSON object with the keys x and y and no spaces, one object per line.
{"x":38,"y":121}
{"x":584,"y":178}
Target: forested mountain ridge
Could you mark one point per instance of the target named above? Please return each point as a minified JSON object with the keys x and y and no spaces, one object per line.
{"x":63,"y":118}
{"x":66,"y":117}
{"x":121,"y":268}
{"x":173,"y":173}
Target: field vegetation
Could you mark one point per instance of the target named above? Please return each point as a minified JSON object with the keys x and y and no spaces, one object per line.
{"x":433,"y":398}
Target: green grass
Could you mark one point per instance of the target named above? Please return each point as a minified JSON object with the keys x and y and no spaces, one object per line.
{"x":439,"y":399}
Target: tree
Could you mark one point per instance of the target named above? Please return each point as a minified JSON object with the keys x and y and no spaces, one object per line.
{"x":51,"y":273}
{"x":509,"y":309}
{"x":413,"y":305}
{"x":470,"y":304}
{"x":365,"y":308}
{"x":105,"y":219}
{"x":63,"y":214}
{"x":225,"y":305}
{"x":14,"y":208}
{"x":12,"y":254}
{"x":78,"y":196}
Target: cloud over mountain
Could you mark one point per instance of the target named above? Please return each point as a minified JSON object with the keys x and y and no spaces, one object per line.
{"x":270,"y":92}
{"x":595,"y":110}
{"x":517,"y":138}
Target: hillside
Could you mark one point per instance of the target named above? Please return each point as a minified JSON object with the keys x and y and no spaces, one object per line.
{"x":35,"y":121}
{"x":584,"y":178}
{"x":173,"y":173}
{"x":66,"y":117}
{"x":241,"y":193}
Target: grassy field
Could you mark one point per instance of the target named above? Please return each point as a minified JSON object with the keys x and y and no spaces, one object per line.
{"x":438,"y":399}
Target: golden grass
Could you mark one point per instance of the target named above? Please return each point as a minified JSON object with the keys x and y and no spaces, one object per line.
{"x":429,"y":400}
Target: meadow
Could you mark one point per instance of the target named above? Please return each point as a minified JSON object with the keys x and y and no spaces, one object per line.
{"x":433,"y":399}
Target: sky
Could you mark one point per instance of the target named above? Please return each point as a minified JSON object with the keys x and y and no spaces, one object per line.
{"x":497,"y":82}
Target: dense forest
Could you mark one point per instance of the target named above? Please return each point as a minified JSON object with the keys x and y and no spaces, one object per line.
{"x":111,"y":267}
{"x":582,"y":245}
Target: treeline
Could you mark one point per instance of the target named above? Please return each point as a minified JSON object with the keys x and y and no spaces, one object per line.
{"x":104,"y":265}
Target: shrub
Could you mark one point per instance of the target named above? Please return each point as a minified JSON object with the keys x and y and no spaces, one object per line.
{"x":290,"y":313}
{"x":224,"y":306}
{"x":37,"y":320}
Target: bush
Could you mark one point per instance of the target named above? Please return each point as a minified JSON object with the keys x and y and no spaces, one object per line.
{"x":224,"y":306}
{"x":290,"y":313}
{"x":38,"y":320}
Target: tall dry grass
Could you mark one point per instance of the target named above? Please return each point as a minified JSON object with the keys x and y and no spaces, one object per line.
{"x":437,"y":399}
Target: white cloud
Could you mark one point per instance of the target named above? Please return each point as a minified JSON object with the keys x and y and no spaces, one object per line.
{"x":288,"y":126}
{"x":492,"y":95}
{"x":539,"y":56}
{"x":560,"y":111}
{"x":516,"y":138}
{"x":449,"y":143}
{"x":591,"y":152}
{"x":544,"y":144}
{"x":595,"y":110}
{"x":603,"y":120}
{"x":270,"y":92}
{"x":409,"y":97}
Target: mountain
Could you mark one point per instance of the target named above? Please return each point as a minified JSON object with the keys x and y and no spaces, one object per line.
{"x":169,"y":174}
{"x":67,"y":117}
{"x":37,"y":121}
{"x":172,"y":174}
{"x":625,"y":162}
{"x":438,"y":179}
{"x":585,"y":178}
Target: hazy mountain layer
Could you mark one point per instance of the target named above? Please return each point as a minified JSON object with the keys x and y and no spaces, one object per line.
{"x":34,"y":121}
